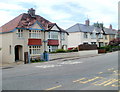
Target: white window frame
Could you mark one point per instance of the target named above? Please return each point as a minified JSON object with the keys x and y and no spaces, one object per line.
{"x":105,"y":37}
{"x":35,"y":50}
{"x":100,"y":36}
{"x":93,"y":35}
{"x":51,"y":48}
{"x":93,"y":43}
{"x":112,"y":36}
{"x":34,"y":34}
{"x":53,"y":35}
{"x":19,"y":33}
{"x":63,"y":36}
{"x":85,"y":35}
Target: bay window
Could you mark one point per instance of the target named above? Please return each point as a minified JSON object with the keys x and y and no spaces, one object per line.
{"x":53,"y":35}
{"x":34,"y":49}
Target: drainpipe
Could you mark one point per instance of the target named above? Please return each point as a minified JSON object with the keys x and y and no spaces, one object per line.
{"x":44,"y":42}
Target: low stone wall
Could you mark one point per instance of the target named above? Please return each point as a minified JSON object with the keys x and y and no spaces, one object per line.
{"x":54,"y":56}
{"x":88,"y":52}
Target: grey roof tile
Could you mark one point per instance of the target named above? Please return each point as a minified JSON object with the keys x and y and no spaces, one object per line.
{"x":84,"y":28}
{"x":110,"y":31}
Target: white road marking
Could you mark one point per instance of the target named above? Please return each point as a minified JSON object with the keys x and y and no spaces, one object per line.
{"x":60,"y":64}
{"x":70,"y":62}
{"x":47,"y":66}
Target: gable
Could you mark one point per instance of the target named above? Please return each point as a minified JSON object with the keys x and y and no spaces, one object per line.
{"x":36,"y":26}
{"x":96,"y":30}
{"x":55,"y":28}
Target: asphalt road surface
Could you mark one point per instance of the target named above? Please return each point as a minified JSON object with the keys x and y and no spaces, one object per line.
{"x":92,"y":73}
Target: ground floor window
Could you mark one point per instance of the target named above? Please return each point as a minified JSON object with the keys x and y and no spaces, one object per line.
{"x":34,"y":49}
{"x":85,"y":42}
{"x":93,"y":42}
{"x":53,"y":48}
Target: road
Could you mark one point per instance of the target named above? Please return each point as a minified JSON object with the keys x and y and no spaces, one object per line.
{"x":92,"y":73}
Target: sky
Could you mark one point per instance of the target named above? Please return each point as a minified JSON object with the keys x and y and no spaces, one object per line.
{"x":65,"y":13}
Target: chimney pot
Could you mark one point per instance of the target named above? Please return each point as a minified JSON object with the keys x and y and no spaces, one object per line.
{"x":31,"y":12}
{"x":110,"y":26}
{"x":87,"y":22}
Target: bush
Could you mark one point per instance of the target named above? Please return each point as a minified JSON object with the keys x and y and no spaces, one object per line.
{"x":75,"y":49}
{"x":60,"y":51}
{"x":110,"y":48}
{"x":69,"y":50}
{"x":65,"y":51}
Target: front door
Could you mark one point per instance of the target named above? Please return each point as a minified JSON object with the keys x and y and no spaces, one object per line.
{"x":16,"y":53}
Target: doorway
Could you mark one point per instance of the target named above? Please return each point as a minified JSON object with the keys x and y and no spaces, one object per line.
{"x":18,"y":53}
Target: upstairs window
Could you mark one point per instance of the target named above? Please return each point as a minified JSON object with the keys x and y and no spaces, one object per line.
{"x":34,"y":34}
{"x":105,"y":37}
{"x":63,"y":36}
{"x":53,"y":35}
{"x":19,"y":33}
{"x":100,"y":36}
{"x":85,"y":35}
{"x":93,"y":36}
{"x":112,"y":36}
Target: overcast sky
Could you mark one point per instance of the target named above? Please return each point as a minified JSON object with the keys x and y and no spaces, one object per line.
{"x":63,"y":12}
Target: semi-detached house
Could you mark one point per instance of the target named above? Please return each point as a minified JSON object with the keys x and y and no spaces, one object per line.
{"x":30,"y":33}
{"x":89,"y":34}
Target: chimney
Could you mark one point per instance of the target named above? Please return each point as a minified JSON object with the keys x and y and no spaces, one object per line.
{"x":110,"y":26}
{"x":87,"y":22}
{"x":31,"y":12}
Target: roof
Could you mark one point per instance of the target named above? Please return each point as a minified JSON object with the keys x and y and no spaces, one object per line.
{"x":84,"y":28}
{"x":11,"y":24}
{"x":50,"y":26}
{"x":80,"y":28}
{"x":110,"y":31}
{"x":26,"y":21}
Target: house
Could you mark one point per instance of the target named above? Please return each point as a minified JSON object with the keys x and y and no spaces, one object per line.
{"x":30,"y":33}
{"x":108,"y":35}
{"x":89,"y":34}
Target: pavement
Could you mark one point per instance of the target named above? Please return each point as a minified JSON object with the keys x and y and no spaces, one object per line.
{"x":5,"y":65}
{"x":8,"y":65}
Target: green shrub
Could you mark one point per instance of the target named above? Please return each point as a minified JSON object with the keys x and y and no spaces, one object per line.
{"x":60,"y":51}
{"x":110,"y":48}
{"x":69,"y":50}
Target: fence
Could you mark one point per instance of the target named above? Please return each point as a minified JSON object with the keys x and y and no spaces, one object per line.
{"x":87,"y":47}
